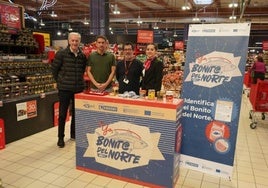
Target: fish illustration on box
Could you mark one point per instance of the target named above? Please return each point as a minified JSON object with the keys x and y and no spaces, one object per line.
{"x":135,"y":140}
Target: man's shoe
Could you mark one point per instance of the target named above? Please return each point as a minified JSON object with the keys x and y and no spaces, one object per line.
{"x":61,"y":143}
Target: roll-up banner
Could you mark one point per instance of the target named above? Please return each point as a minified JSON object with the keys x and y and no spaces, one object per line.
{"x":212,"y":90}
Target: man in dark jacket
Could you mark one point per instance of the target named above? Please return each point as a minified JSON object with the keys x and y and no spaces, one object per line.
{"x":68,"y":69}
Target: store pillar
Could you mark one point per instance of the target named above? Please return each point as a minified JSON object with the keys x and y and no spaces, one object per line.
{"x":99,"y":17}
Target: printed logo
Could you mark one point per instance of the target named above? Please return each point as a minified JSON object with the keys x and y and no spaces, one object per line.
{"x":123,"y":145}
{"x":213,"y":69}
{"x":108,"y":108}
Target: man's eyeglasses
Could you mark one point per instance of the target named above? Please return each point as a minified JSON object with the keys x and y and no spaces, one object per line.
{"x":128,"y":49}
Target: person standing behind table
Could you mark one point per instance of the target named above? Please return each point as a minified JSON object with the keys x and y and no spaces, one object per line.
{"x":101,"y":67}
{"x":153,"y":70}
{"x":129,"y":70}
{"x":68,"y":69}
{"x":259,"y":69}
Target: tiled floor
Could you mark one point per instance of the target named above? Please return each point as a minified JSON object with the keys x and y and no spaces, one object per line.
{"x":36,"y":162}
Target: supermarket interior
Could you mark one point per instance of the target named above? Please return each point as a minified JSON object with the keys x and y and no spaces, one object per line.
{"x":34,"y":161}
{"x":182,"y":100}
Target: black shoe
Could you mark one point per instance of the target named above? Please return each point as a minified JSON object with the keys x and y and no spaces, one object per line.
{"x":61,"y":143}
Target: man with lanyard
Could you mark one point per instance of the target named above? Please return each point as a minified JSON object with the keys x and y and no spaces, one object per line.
{"x":129,"y":70}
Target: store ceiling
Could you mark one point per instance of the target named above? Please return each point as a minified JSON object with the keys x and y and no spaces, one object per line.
{"x":165,"y":14}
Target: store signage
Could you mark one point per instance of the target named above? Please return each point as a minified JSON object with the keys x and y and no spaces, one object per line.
{"x":26,"y":110}
{"x":213,"y":69}
{"x":179,"y":45}
{"x":46,"y":36}
{"x":213,"y":83}
{"x":145,"y":36}
{"x":56,"y":114}
{"x":11,"y":16}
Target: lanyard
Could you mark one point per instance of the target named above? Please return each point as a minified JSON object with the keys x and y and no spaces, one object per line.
{"x":127,"y":67}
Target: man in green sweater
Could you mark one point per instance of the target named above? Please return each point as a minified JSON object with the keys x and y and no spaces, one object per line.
{"x":101,"y":67}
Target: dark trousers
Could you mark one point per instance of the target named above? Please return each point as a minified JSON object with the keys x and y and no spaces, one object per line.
{"x":65,"y":99}
{"x":258,"y":75}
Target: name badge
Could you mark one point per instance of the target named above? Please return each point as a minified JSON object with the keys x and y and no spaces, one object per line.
{"x":126,"y":81}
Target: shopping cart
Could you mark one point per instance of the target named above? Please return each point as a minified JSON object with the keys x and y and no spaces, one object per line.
{"x":247,"y":82}
{"x":258,"y":98}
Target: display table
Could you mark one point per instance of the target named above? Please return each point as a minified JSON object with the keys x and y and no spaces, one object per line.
{"x":134,"y":140}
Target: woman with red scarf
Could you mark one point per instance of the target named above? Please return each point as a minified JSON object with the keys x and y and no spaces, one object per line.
{"x":153,"y":70}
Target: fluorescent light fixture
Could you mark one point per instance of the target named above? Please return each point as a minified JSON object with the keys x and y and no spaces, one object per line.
{"x":203,"y":2}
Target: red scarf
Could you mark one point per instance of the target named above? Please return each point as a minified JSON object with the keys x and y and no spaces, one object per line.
{"x":147,"y":63}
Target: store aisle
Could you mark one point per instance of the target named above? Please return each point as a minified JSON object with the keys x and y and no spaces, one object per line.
{"x":36,"y":162}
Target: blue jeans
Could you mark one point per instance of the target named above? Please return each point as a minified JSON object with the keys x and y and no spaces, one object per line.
{"x":65,"y":99}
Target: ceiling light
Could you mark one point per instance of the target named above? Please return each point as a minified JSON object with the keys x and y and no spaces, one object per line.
{"x":232,"y":17}
{"x":195,"y":19}
{"x":139,"y":21}
{"x":42,"y":23}
{"x":155,"y":26}
{"x":53,"y":14}
{"x":233,"y":5}
{"x":85,"y":21}
{"x":185,"y":5}
{"x":116,"y":11}
{"x":70,"y":28}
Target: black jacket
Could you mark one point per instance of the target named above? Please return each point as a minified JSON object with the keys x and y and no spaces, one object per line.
{"x":134,"y":74}
{"x":68,"y":70}
{"x":153,"y":76}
